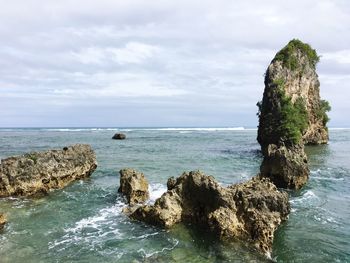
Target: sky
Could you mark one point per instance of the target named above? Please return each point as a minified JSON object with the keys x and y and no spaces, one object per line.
{"x":160,"y":63}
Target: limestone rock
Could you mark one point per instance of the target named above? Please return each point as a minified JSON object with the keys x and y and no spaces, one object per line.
{"x":293,"y":71}
{"x":134,"y":186}
{"x":2,"y":221}
{"x":39,"y":172}
{"x":249,"y":211}
{"x":291,"y":114}
{"x":287,"y":167}
{"x":119,"y":136}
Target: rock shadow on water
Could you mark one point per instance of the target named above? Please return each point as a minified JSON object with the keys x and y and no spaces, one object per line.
{"x":196,"y":244}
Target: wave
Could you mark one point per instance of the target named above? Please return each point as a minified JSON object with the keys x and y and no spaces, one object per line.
{"x":306,"y":197}
{"x":63,"y":129}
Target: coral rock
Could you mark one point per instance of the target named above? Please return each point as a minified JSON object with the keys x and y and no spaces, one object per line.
{"x":287,"y":167}
{"x":249,"y":211}
{"x":39,"y":172}
{"x":134,"y":186}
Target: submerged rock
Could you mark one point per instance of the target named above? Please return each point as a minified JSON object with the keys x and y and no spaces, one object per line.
{"x":249,"y":211}
{"x":119,"y":136}
{"x":2,"y":221}
{"x":39,"y":172}
{"x":291,"y":114}
{"x":134,"y":186}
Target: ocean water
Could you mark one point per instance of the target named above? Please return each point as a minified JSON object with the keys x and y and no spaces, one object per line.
{"x":84,"y":223}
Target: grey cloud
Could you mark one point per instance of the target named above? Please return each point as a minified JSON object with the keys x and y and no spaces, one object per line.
{"x":160,"y":63}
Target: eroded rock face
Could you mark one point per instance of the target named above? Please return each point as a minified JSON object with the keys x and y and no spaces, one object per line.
{"x":2,"y":221}
{"x":134,"y":186}
{"x":287,"y":167}
{"x":249,"y":211}
{"x":39,"y":172}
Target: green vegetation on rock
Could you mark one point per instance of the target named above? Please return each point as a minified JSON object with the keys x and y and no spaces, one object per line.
{"x":293,"y":117}
{"x":288,"y":54}
{"x":32,"y":156}
{"x":322,"y":111}
{"x":290,"y":120}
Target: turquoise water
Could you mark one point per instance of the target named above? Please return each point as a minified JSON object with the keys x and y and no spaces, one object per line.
{"x":84,"y":223}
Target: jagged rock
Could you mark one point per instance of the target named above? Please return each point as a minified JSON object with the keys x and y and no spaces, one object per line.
{"x":249,"y":211}
{"x":2,"y":221}
{"x":134,"y":186}
{"x":119,"y":136}
{"x":291,"y":114}
{"x":286,"y":167}
{"x":39,"y":172}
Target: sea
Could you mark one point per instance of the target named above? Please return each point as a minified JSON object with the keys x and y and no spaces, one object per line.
{"x":84,"y":221}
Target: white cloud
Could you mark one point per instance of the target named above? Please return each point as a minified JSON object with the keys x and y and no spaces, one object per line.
{"x":134,"y":52}
{"x":341,"y":56}
{"x":131,"y":53}
{"x":206,"y":57}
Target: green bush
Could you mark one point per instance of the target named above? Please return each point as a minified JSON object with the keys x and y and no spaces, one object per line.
{"x":287,"y":122}
{"x":288,"y":54}
{"x":321,"y":112}
{"x":293,"y":119}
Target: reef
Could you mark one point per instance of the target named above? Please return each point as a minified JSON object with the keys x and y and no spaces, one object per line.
{"x":37,"y":173}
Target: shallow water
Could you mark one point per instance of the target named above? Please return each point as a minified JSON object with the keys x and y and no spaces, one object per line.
{"x":84,"y":223}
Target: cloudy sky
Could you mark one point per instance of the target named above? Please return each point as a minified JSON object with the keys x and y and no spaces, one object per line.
{"x":159,"y":63}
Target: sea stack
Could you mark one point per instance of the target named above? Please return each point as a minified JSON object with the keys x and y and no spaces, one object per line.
{"x":38,"y":172}
{"x":291,"y":114}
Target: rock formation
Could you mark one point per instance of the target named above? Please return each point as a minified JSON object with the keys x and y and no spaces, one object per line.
{"x":2,"y":221}
{"x":247,"y":211}
{"x":285,"y":166}
{"x":39,"y":172}
{"x":291,"y":114}
{"x":119,"y":136}
{"x":134,"y":186}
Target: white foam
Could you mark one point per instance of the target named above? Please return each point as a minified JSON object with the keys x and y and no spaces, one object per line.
{"x":78,"y":129}
{"x":195,"y":129}
{"x":156,"y":191}
{"x":150,"y":254}
{"x":95,"y":221}
{"x":308,"y":195}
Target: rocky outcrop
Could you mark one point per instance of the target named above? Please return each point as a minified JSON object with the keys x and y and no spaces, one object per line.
{"x":134,"y":186}
{"x":249,"y":211}
{"x":2,"y":221}
{"x":291,"y":114}
{"x":39,"y":172}
{"x":285,"y":166}
{"x":119,"y":136}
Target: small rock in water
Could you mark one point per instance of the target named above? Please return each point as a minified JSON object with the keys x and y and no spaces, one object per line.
{"x":119,"y":136}
{"x":2,"y":221}
{"x":134,"y":186}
